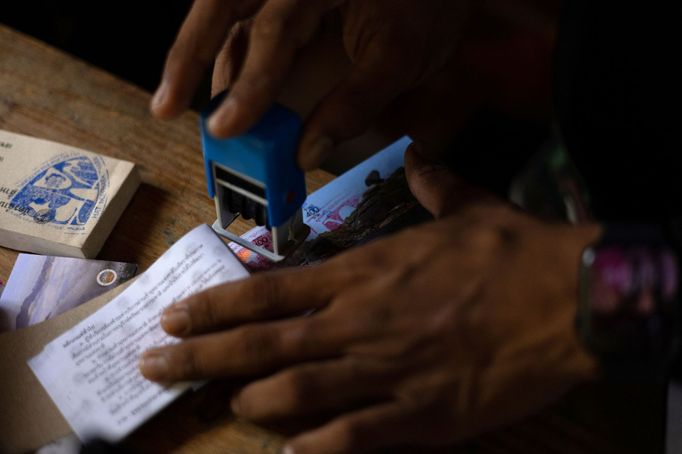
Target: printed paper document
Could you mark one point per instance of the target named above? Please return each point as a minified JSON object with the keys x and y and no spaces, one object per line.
{"x":91,"y":371}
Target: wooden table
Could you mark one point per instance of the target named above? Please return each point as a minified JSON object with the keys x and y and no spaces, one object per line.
{"x":48,"y":94}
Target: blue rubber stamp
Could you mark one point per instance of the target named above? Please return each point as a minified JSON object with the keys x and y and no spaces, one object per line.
{"x":255,"y":175}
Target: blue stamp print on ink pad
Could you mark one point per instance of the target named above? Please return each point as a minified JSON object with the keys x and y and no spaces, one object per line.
{"x":66,"y":192}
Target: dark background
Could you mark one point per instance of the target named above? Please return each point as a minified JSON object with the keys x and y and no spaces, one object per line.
{"x":127,"y":38}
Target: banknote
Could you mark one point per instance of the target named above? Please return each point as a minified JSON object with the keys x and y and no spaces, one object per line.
{"x":327,"y":208}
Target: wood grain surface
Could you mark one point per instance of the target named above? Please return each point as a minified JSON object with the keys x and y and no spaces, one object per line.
{"x":48,"y":94}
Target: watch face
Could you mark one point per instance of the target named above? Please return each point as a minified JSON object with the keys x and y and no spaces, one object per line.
{"x":631,"y":280}
{"x":627,"y":293}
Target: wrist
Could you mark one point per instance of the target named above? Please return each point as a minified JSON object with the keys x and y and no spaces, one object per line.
{"x":583,"y":364}
{"x":628,"y":302}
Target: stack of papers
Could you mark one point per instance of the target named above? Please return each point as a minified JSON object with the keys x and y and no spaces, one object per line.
{"x":59,"y":200}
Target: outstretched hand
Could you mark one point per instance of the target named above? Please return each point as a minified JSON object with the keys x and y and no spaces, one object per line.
{"x":428,"y":336}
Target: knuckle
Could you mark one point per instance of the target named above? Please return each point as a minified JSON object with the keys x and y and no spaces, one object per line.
{"x":183,"y":54}
{"x":185,"y":361}
{"x":290,"y":18}
{"x":355,"y":369}
{"x":265,"y":294}
{"x":348,"y":435}
{"x":296,"y":387}
{"x":305,"y":333}
{"x":257,"y":342}
{"x":379,"y":315}
{"x":177,"y":51}
{"x":364,"y":263}
{"x":268,"y":27}
{"x":492,"y":239}
{"x":377,"y":258}
{"x":486,"y":238}
{"x":257,"y":88}
{"x":304,"y":338}
{"x":241,"y":404}
{"x":209,"y":309}
{"x":246,"y":404}
{"x":202,"y":310}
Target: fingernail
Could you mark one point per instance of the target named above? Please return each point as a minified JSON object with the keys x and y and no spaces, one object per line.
{"x":160,"y":95}
{"x":318,"y":151}
{"x":287,"y":450}
{"x":219,"y":123}
{"x":154,"y":366}
{"x":175,"y":321}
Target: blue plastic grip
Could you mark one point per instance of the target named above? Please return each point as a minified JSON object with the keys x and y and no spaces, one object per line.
{"x":266,"y":153}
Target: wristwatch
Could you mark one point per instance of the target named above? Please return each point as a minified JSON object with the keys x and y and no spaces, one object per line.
{"x":628,"y":314}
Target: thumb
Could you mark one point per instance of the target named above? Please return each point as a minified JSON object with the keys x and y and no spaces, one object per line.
{"x":437,"y":188}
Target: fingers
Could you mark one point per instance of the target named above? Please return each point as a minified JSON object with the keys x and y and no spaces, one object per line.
{"x":230,"y":59}
{"x":352,"y":106}
{"x":311,"y":388}
{"x":437,"y":188}
{"x":195,"y":47}
{"x":250,"y":349}
{"x":432,"y":184}
{"x":264,"y":296}
{"x":278,"y":31}
{"x":358,"y":432}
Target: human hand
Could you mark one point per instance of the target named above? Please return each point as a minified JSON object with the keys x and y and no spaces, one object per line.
{"x":429,"y":336}
{"x":394,"y":46}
